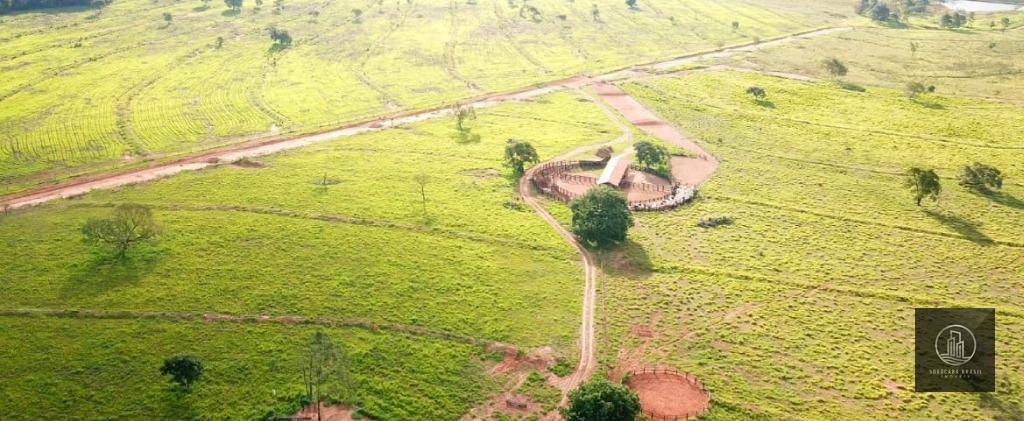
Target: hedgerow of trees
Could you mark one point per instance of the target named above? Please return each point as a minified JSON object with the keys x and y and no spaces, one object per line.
{"x":14,"y":5}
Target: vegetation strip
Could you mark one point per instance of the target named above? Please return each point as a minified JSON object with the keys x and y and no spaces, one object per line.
{"x":217,"y":317}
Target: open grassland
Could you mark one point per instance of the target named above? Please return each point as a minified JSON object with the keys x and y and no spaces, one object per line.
{"x":109,"y":369}
{"x":274,"y":240}
{"x":973,"y":63}
{"x":804,"y":307}
{"x":88,"y":89}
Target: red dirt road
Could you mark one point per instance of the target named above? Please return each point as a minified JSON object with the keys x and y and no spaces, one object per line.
{"x":686,"y":170}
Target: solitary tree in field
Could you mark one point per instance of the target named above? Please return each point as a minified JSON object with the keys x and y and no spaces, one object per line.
{"x":422,"y":179}
{"x":595,"y":13}
{"x":129,"y":225}
{"x":601,"y":216}
{"x":280,"y":37}
{"x":631,"y":4}
{"x":1006,"y":22}
{"x":220,"y":42}
{"x":981,"y":178}
{"x":325,"y":369}
{"x":835,"y":68}
{"x":599,"y":400}
{"x":757,"y":92}
{"x":234,"y":5}
{"x":357,"y":15}
{"x":924,"y":184}
{"x":913,"y":49}
{"x":462,"y":115}
{"x":735,"y":25}
{"x":519,"y":153}
{"x":184,"y":370}
{"x":881,"y":13}
{"x":168,"y":18}
{"x":913,"y":89}
{"x":650,"y":154}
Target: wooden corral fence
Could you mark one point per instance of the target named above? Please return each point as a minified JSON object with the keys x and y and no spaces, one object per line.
{"x":546,"y":175}
{"x":662,"y":372}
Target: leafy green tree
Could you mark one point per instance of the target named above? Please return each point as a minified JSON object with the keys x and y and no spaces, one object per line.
{"x":1006,"y":22}
{"x":598,"y":400}
{"x":650,"y":155}
{"x":735,"y":25}
{"x":757,"y":92}
{"x":280,"y":37}
{"x":981,"y":178}
{"x":595,"y":13}
{"x":168,"y":18}
{"x":130,"y":224}
{"x":234,"y":5}
{"x":924,"y":184}
{"x":631,"y":4}
{"x":913,"y":89}
{"x":357,"y":15}
{"x":881,"y":13}
{"x":519,"y":153}
{"x":835,"y":68}
{"x":601,"y":217}
{"x":325,"y":368}
{"x":220,"y":42}
{"x":184,"y":370}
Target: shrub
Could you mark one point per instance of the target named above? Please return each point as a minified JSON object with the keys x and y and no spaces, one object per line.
{"x":600,"y":400}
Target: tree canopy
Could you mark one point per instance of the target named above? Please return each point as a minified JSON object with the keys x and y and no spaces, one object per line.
{"x":650,"y":154}
{"x":601,"y":217}
{"x":981,"y":178}
{"x":600,"y":400}
{"x":835,"y":67}
{"x":129,"y":225}
{"x":924,"y":184}
{"x":183,"y":369}
{"x":519,"y":153}
{"x":757,"y":92}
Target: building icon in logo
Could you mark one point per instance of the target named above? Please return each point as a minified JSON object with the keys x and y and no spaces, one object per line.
{"x":955,"y":345}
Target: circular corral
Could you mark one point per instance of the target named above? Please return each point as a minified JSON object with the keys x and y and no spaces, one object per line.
{"x":668,"y":394}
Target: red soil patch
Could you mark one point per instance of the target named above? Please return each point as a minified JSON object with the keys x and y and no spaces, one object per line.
{"x":328,"y":412}
{"x":669,"y":394}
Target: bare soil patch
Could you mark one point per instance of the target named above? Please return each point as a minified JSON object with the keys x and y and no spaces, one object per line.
{"x":669,"y":394}
{"x":328,"y":412}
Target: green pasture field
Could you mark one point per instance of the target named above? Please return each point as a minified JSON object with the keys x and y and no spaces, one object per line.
{"x":804,"y":306}
{"x":977,"y":62}
{"x":109,"y":369}
{"x":275,"y":240}
{"x":86,"y":90}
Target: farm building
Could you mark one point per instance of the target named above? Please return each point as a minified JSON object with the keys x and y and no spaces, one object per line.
{"x":615,"y":171}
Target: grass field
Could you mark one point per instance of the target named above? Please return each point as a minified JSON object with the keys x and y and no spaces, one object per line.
{"x":804,"y":307}
{"x":973,"y":63}
{"x":270,"y":240}
{"x":88,"y":89}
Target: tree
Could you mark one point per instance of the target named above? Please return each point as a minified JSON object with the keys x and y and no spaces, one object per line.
{"x":631,"y":4}
{"x":757,"y":92}
{"x":913,"y":89}
{"x":259,"y":4}
{"x":735,"y":25}
{"x":325,"y":369}
{"x":462,"y":115}
{"x":1006,"y":22}
{"x":595,"y":13}
{"x":519,"y":153}
{"x":924,"y":184}
{"x":234,"y":5}
{"x":881,"y":13}
{"x":130,"y":224}
{"x":220,"y":42}
{"x":280,"y":37}
{"x":357,"y":15}
{"x":422,"y":180}
{"x":601,"y":217}
{"x":835,"y":67}
{"x":168,"y":18}
{"x":604,"y":152}
{"x":981,"y":178}
{"x":650,"y":155}
{"x":913,"y":48}
{"x":600,"y":400}
{"x":183,"y":369}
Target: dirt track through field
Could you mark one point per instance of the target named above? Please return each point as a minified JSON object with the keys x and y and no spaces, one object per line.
{"x":691,"y":170}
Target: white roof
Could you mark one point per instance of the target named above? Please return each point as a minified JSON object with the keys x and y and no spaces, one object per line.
{"x":614,"y":170}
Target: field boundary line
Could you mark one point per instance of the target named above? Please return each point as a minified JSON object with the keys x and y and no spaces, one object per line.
{"x":341,"y":219}
{"x":989,"y":241}
{"x":263,"y":146}
{"x":251,"y":318}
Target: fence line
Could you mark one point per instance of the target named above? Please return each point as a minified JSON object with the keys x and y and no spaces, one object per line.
{"x":687,"y":377}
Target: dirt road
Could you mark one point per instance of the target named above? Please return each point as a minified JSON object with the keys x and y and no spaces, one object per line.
{"x":253,"y":149}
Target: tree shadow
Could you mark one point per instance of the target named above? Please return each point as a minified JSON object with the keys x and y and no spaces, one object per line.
{"x":103,"y":273}
{"x":466,"y":136}
{"x":629,"y":259}
{"x":847,"y":86}
{"x":231,"y":12}
{"x":959,"y":225}
{"x":928,"y":104}
{"x":177,"y":406}
{"x":1003,"y":408}
{"x":765,"y":103}
{"x":1002,"y":199}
